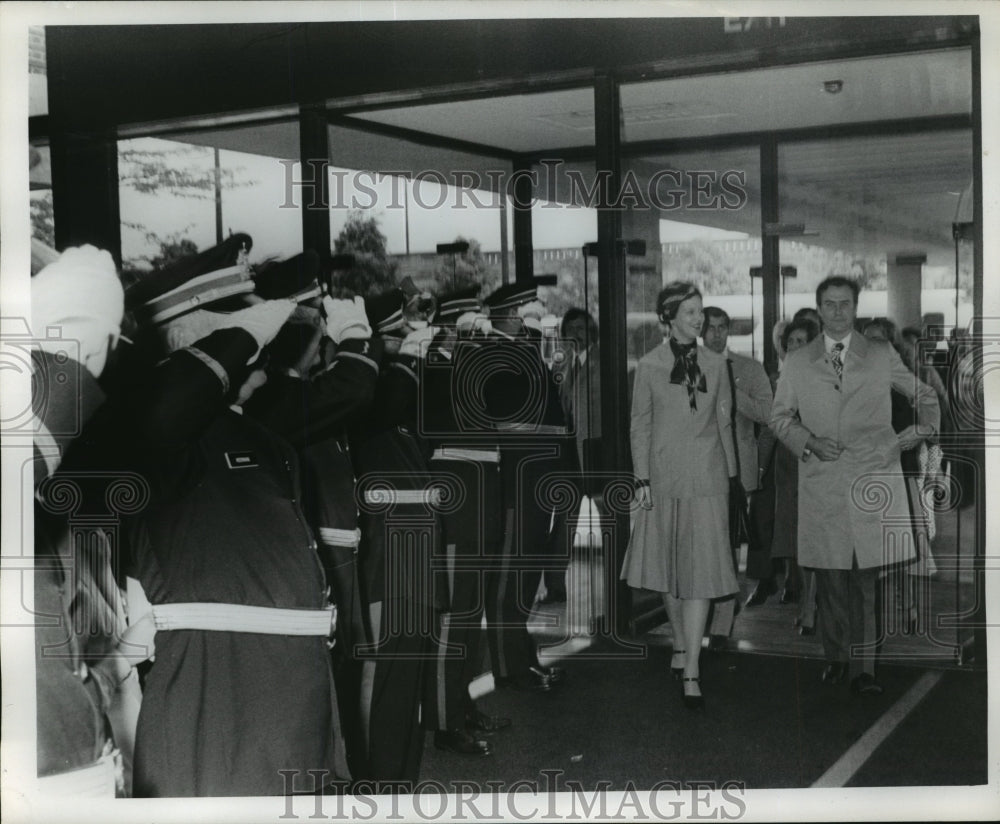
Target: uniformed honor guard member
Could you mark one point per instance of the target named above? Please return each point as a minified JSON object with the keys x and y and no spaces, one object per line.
{"x":522,"y":400}
{"x":240,"y":690}
{"x":310,"y":404}
{"x":465,"y":452}
{"x":399,"y":529}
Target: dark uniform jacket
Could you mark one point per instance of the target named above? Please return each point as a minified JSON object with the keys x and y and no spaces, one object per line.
{"x":223,"y":712}
{"x":390,"y":457}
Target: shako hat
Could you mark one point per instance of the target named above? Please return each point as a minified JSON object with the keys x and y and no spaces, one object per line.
{"x":194,"y":282}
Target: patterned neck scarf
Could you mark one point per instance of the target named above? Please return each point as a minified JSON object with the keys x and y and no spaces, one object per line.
{"x":686,"y":370}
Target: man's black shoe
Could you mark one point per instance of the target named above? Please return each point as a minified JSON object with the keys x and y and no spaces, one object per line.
{"x":477,"y":721}
{"x":718,"y":643}
{"x":834,"y":672}
{"x":555,"y":674}
{"x":462,"y":742}
{"x":764,"y":590}
{"x":865,"y":684}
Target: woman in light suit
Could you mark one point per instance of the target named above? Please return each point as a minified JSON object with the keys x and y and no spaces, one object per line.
{"x":682,"y":450}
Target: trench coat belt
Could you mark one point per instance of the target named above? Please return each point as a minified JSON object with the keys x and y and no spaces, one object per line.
{"x":339,"y":537}
{"x":244,"y":618}
{"x":96,"y":780}
{"x":448,"y":453}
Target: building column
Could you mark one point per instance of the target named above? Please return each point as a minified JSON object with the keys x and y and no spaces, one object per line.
{"x":644,"y":225}
{"x":314,"y":153}
{"x":85,"y":191}
{"x":904,"y":281}
{"x":524,"y":263}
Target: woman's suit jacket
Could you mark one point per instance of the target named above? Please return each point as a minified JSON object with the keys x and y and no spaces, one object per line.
{"x":857,"y":503}
{"x":683,"y":453}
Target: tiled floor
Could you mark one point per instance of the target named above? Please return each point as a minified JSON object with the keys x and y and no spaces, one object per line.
{"x":942,"y":601}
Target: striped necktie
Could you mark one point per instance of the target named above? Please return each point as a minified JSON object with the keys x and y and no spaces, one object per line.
{"x":838,"y":364}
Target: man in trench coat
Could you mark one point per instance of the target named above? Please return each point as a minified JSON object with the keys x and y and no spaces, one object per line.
{"x":832,"y":409}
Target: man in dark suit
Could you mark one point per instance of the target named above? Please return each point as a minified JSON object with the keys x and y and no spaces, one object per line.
{"x":579,"y":380}
{"x":832,"y":409}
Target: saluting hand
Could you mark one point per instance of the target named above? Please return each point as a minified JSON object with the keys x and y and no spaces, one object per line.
{"x":415,"y":344}
{"x":346,"y":319}
{"x":262,"y":320}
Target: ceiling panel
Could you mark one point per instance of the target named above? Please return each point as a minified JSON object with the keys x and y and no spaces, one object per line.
{"x":788,"y":97}
{"x":521,"y":123}
{"x":878,"y":88}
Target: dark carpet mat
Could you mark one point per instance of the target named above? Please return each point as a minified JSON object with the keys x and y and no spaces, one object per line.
{"x":768,"y":723}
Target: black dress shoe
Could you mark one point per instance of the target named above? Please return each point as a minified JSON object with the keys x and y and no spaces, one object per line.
{"x":531,"y":681}
{"x":693,"y":702}
{"x":806,"y":630}
{"x":677,"y":672}
{"x":461,"y":742}
{"x":761,"y":592}
{"x":555,"y":674}
{"x":865,"y":684}
{"x":718,"y":643}
{"x":834,"y":672}
{"x":477,"y":721}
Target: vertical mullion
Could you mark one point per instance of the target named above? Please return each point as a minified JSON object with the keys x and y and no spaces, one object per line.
{"x":611,"y":291}
{"x":770,"y":262}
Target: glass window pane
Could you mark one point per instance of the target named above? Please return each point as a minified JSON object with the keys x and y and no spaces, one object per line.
{"x":187,"y":193}
{"x":699,"y":215}
{"x":880,"y":210}
{"x":418,"y":197}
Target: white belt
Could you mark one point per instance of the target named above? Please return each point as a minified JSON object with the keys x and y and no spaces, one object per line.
{"x":243,"y":618}
{"x":450,"y":454}
{"x":94,"y":781}
{"x":381,"y":497}
{"x":339,"y":537}
{"x":536,"y":428}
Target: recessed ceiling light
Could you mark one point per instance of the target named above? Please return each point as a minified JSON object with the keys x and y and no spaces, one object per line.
{"x":833,"y":86}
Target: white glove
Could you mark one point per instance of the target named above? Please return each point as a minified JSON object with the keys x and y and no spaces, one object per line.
{"x":415,"y":344}
{"x":535,"y":309}
{"x":80,"y":294}
{"x":346,"y":319}
{"x":473,"y":322}
{"x":262,"y":320}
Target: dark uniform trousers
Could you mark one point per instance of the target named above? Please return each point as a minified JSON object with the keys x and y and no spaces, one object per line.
{"x":472,"y":542}
{"x":329,"y":481}
{"x":527,"y":539}
{"x":399,"y":631}
{"x":400,"y":530}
